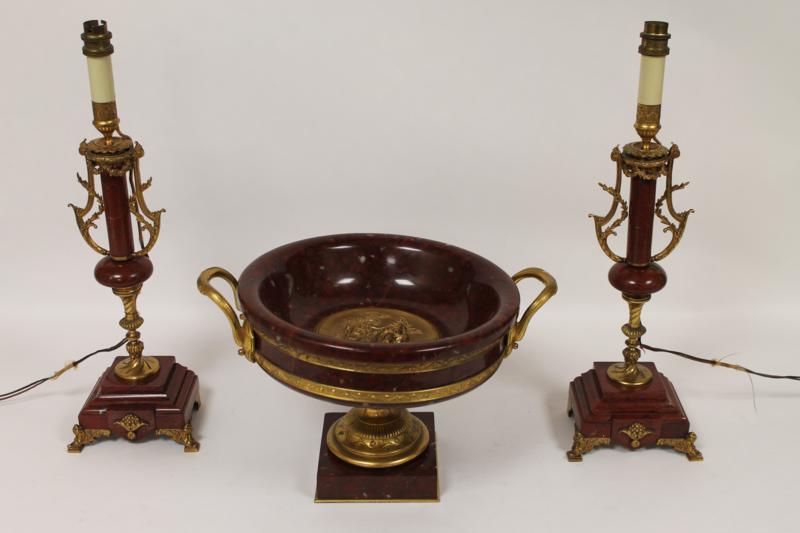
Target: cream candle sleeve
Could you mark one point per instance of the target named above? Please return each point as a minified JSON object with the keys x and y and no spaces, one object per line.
{"x":651,"y":79}
{"x":101,"y":79}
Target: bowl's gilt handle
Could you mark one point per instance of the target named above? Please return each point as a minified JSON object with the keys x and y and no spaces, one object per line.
{"x":242,"y":331}
{"x":517,"y":331}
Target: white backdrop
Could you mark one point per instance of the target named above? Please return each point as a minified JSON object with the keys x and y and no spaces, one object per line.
{"x":482,"y":124}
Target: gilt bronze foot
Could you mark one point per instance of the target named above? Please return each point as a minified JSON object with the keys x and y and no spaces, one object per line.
{"x":581,"y":445}
{"x":683,"y":446}
{"x":85,"y":436}
{"x":181,"y":436}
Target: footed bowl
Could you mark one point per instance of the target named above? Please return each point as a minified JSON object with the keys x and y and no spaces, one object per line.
{"x":380,"y":323}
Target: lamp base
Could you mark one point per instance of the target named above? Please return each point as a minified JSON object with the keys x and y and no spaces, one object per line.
{"x":634,"y":417}
{"x":414,"y":481}
{"x":160,"y":406}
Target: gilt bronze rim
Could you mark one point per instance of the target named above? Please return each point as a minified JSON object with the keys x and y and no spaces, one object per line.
{"x":377,"y":367}
{"x":365,"y":397}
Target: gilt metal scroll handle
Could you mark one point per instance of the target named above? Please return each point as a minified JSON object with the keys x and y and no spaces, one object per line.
{"x":243,"y":334}
{"x":517,"y":331}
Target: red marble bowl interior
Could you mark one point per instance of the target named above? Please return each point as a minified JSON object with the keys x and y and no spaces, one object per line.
{"x":287,"y":291}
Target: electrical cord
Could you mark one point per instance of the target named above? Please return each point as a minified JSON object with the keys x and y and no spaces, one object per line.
{"x":716,"y":362}
{"x":56,"y":375}
{"x":712,"y":362}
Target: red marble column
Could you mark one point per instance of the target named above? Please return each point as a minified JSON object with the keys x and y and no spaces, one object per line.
{"x":118,"y":216}
{"x":640,"y":221}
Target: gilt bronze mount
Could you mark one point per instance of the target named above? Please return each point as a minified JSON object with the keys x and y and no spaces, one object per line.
{"x":377,"y":438}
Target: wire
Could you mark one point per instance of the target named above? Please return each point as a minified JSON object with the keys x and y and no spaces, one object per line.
{"x":717,"y":362}
{"x":56,"y":375}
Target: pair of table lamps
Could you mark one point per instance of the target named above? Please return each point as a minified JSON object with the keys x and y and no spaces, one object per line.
{"x":627,"y":403}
